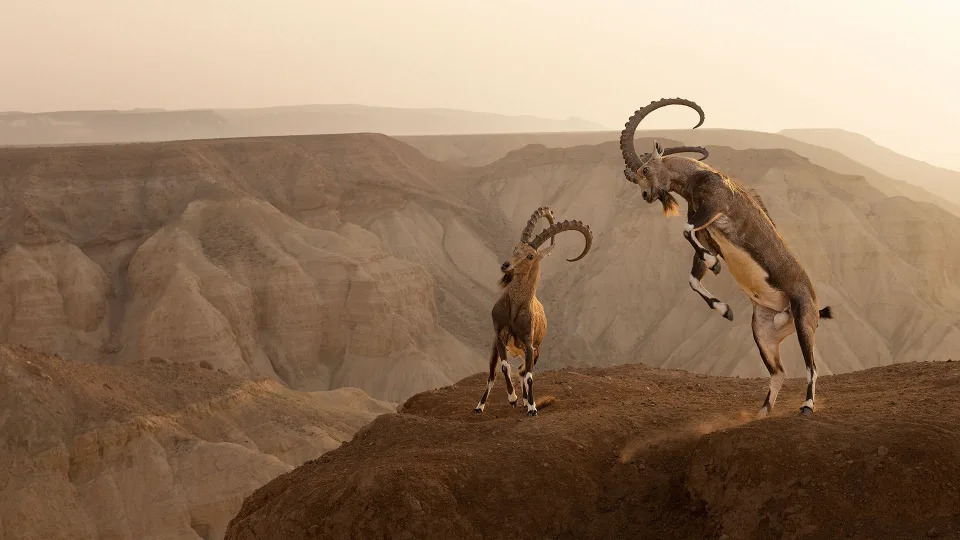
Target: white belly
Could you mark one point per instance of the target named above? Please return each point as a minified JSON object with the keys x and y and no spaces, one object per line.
{"x":749,"y":275}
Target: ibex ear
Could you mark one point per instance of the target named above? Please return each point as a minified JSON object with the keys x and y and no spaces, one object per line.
{"x":544,"y":251}
{"x":658,"y":149}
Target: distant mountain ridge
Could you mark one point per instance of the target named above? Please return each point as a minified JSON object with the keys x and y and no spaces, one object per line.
{"x":937,"y":180}
{"x":918,"y":183}
{"x":152,"y":125}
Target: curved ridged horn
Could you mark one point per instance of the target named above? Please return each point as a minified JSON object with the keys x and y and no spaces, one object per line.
{"x":626,"y":136}
{"x":557,"y":228}
{"x":542,"y":212}
{"x":681,"y":149}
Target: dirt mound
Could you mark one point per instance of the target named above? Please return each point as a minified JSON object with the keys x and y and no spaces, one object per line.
{"x":637,"y":452}
{"x":155,"y":449}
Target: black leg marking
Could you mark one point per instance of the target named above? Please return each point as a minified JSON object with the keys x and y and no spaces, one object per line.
{"x":511,"y":393}
{"x":483,"y":402}
{"x":702,"y":253}
{"x":697,"y":272}
{"x":528,"y":380}
{"x":494,"y":359}
{"x":805,"y":318}
{"x":531,"y":406}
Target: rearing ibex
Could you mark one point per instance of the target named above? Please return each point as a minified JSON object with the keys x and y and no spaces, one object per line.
{"x":519,"y":322}
{"x":727,"y":220}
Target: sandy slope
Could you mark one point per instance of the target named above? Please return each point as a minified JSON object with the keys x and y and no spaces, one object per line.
{"x":156,"y":449}
{"x":637,"y":452}
{"x":189,"y":251}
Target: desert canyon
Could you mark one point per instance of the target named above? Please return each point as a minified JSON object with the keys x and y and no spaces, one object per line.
{"x":203,"y":316}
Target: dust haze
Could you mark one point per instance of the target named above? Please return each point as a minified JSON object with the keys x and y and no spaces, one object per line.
{"x":886,"y":70}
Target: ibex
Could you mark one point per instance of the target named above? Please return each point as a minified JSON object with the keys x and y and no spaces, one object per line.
{"x":729,"y":221}
{"x":519,"y":322}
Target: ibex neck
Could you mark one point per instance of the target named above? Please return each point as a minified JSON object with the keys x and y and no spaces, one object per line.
{"x":681,"y":169}
{"x":525,"y":286}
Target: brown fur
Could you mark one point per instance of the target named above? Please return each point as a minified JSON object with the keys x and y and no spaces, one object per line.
{"x":518,"y":314}
{"x":519,"y":321}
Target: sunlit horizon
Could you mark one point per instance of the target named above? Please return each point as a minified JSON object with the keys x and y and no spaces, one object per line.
{"x":887,"y":72}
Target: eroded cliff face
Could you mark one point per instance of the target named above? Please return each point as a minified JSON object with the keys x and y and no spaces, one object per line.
{"x":181,"y":250}
{"x":256,"y":293}
{"x":53,"y":297}
{"x":153,"y":449}
{"x":354,"y":260}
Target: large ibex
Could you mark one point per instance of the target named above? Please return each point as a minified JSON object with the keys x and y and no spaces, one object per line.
{"x":519,"y":322}
{"x":729,"y":221}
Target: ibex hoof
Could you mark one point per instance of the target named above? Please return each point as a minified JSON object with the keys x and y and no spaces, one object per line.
{"x":716,"y":267}
{"x":478,"y":410}
{"x":532,"y":412}
{"x":728,"y":314}
{"x":805,"y":411}
{"x":513,"y":403}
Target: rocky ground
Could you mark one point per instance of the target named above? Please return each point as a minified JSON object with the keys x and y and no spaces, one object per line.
{"x":638,"y":452}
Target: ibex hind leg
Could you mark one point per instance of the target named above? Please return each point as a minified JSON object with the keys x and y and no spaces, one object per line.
{"x":697,"y":272}
{"x":710,"y":260}
{"x":530,"y":358}
{"x":769,"y":330}
{"x":805,"y":318}
{"x":507,"y":376}
{"x":494,"y":358}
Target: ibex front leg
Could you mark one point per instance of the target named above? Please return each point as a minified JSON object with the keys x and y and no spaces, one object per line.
{"x":696,"y":274}
{"x":526,"y":380}
{"x":711,"y":260}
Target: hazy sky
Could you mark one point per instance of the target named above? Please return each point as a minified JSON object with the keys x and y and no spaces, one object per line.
{"x":889,"y":70}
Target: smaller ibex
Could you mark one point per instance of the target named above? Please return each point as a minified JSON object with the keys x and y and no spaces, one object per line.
{"x":519,"y":322}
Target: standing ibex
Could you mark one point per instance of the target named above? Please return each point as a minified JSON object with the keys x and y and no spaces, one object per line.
{"x":728,"y":220}
{"x":519,"y":322}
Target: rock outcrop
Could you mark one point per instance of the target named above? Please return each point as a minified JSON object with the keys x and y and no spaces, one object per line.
{"x":639,"y":452}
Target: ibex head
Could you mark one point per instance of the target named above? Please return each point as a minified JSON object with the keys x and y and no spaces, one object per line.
{"x":648,"y":171}
{"x":528,"y":252}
